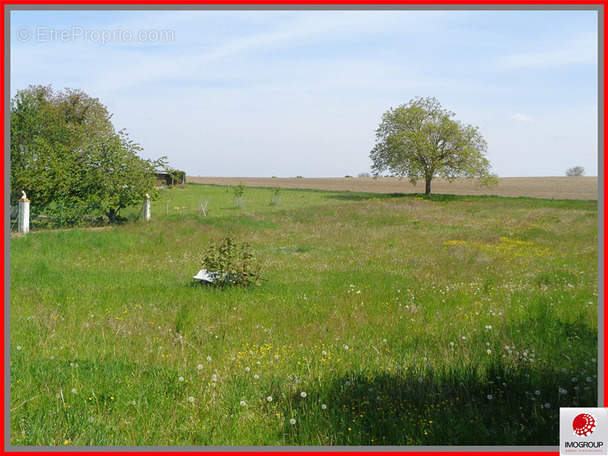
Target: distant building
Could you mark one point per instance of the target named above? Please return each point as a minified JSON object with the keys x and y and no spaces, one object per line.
{"x":168,"y":179}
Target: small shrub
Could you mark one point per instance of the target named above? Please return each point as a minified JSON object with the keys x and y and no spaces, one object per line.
{"x":229,"y":262}
{"x":238,"y":191}
{"x":575,"y":171}
{"x":275,"y":200}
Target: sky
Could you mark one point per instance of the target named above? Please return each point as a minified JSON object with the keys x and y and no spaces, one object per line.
{"x":301,"y":92}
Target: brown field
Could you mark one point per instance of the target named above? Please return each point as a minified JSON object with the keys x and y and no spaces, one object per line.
{"x":583,"y":188}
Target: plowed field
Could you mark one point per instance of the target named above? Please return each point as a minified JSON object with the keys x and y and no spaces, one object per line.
{"x":583,"y":188}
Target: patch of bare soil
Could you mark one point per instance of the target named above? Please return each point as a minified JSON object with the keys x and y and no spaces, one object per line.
{"x":582,"y":188}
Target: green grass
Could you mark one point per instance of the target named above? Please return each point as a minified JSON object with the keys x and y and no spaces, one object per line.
{"x":405,"y":321}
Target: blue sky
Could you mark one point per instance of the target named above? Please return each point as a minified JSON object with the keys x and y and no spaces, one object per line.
{"x":286,"y":93}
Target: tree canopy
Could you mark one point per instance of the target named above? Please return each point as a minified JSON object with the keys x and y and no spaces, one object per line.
{"x":65,"y":151}
{"x":421,"y":140}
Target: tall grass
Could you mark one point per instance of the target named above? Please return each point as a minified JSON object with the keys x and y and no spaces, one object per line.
{"x":383,"y":320}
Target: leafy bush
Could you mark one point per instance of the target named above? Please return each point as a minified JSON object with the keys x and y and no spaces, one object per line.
{"x":575,"y":171}
{"x":229,"y":262}
{"x":275,"y":200}
{"x":238,"y":190}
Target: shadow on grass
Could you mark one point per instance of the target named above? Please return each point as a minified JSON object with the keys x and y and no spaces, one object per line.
{"x":417,"y":196}
{"x":448,"y":198}
{"x":438,"y":407}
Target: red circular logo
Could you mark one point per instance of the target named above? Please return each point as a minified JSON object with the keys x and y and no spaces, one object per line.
{"x":584,"y":425}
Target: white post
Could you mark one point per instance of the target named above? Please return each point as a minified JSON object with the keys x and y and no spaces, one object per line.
{"x":147,"y":207}
{"x":24,"y":214}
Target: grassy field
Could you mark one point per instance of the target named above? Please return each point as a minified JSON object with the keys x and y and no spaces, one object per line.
{"x":382,"y":320}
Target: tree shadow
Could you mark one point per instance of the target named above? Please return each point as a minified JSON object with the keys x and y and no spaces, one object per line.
{"x":437,"y":197}
{"x":433,"y":407}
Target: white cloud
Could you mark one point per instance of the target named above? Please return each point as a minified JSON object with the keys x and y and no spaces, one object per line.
{"x":575,"y":51}
{"x":522,"y":118}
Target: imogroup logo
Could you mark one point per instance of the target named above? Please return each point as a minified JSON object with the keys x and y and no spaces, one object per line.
{"x":584,"y":424}
{"x":583,"y":431}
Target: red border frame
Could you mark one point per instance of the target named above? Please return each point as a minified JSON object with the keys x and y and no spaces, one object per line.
{"x":490,"y":3}
{"x":574,"y":3}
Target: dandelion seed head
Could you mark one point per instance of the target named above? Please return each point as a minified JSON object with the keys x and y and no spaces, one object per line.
{"x":303,"y":394}
{"x":323,"y":406}
{"x":208,"y":358}
{"x":190,"y":399}
{"x":91,"y":419}
{"x":199,"y":367}
{"x":243,"y":403}
{"x":292,"y":421}
{"x":547,"y":405}
{"x":256,"y":376}
{"x":537,"y":392}
{"x":18,"y":347}
{"x":247,"y":369}
{"x":74,"y":391}
{"x":269,"y":398}
{"x":181,"y":379}
{"x":490,"y":397}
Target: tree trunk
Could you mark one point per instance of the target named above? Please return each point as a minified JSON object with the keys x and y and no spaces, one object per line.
{"x":427,"y":191}
{"x":112,"y":215}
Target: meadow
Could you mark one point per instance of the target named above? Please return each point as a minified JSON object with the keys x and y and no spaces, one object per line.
{"x":382,"y":319}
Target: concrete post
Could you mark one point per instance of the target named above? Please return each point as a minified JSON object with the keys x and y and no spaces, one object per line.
{"x":24,"y":214}
{"x":147,"y":207}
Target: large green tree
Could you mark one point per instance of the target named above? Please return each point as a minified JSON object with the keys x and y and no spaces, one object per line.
{"x":421,"y":140}
{"x":65,"y":152}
